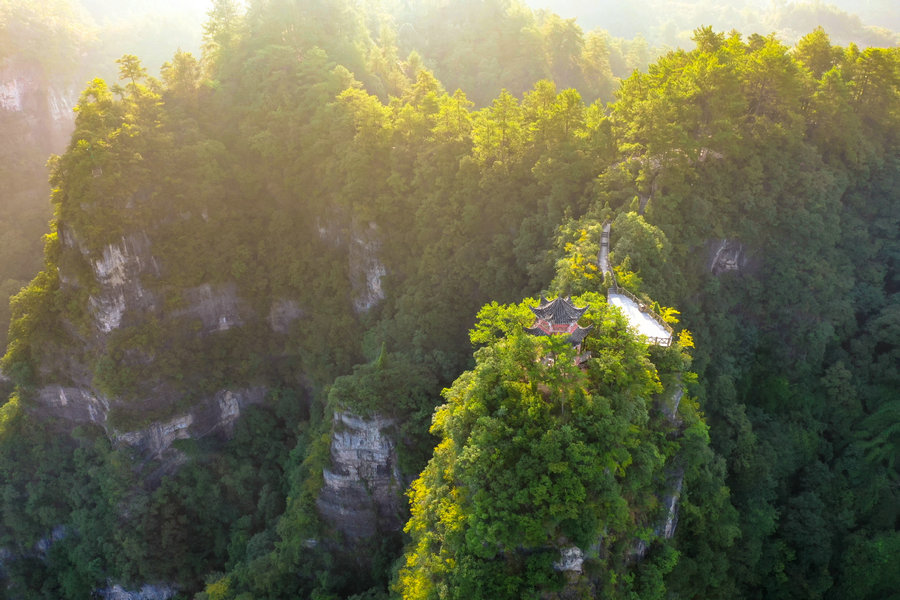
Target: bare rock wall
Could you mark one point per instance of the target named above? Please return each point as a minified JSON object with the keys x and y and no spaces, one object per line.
{"x":362,"y":494}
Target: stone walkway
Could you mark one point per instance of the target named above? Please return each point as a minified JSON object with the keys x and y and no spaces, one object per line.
{"x":603,"y":256}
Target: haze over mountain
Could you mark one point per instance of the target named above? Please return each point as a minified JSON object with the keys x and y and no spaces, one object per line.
{"x":670,"y":22}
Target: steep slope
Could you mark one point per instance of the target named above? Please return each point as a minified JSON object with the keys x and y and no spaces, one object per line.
{"x":213,"y":242}
{"x":37,"y":92}
{"x":558,"y":474}
{"x":236,"y":237}
{"x":790,"y":158}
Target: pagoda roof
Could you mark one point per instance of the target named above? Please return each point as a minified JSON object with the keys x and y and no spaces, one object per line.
{"x":559,"y":310}
{"x":559,"y":316}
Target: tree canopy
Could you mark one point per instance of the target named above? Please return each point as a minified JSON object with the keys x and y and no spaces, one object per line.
{"x":353,"y":214}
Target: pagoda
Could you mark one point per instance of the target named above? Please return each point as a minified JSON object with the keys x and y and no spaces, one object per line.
{"x":559,"y":316}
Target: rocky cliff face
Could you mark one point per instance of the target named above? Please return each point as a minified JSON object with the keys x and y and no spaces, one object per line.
{"x":213,"y":415}
{"x":125,"y":273}
{"x":126,"y":293}
{"x":571,"y":558}
{"x":119,"y":271}
{"x":665,"y":527}
{"x":26,"y":92}
{"x":147,"y":592}
{"x":366,"y":268}
{"x":126,"y":286}
{"x":218,"y":308}
{"x":283,"y":313}
{"x":363,"y":493}
{"x":667,"y":404}
{"x":36,"y":119}
{"x":727,"y":255}
{"x":73,"y":404}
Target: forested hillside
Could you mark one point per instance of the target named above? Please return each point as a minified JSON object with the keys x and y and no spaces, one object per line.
{"x":34,"y":122}
{"x":48,"y":50}
{"x":278,"y":249}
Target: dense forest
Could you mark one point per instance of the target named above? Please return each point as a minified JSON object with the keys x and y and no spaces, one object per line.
{"x":48,"y":50}
{"x":304,"y":216}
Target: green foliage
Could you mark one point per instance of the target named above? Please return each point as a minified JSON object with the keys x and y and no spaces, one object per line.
{"x":52,"y":34}
{"x":394,"y":387}
{"x":714,"y":129}
{"x":490,"y":46}
{"x":647,"y":249}
{"x":300,"y":153}
{"x":578,"y":271}
{"x":105,"y":525}
{"x":33,"y":310}
{"x":538,"y":454}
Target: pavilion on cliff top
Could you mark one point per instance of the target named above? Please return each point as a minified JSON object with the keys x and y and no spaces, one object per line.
{"x":559,"y":316}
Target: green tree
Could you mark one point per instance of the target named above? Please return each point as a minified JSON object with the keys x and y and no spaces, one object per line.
{"x":815,"y":51}
{"x":130,"y":68}
{"x":221,"y":32}
{"x":539,"y":454}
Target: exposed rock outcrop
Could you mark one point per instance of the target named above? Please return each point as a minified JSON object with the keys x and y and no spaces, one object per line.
{"x":147,"y":592}
{"x":668,"y":404}
{"x":283,"y":314}
{"x":366,"y":268}
{"x":38,"y":551}
{"x":603,"y":254}
{"x":571,"y":559}
{"x":123,"y":298}
{"x":119,"y":271}
{"x":727,"y":255}
{"x":43,"y":545}
{"x":26,"y":90}
{"x":676,"y":480}
{"x":218,"y":307}
{"x":329,"y":231}
{"x":69,"y":239}
{"x":110,"y":592}
{"x":126,"y":292}
{"x":363,"y":493}
{"x":665,"y":528}
{"x":214,"y":415}
{"x":73,"y":404}
{"x":159,"y":436}
{"x":6,"y":557}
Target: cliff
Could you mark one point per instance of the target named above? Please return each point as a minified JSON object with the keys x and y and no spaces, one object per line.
{"x":661,"y":528}
{"x":214,"y":415}
{"x":362,"y":495}
{"x":567,"y":472}
{"x":36,"y":119}
{"x":366,"y":268}
{"x":125,"y":293}
{"x":45,"y":106}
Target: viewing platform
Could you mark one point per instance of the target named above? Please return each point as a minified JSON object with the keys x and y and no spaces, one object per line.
{"x":640,"y":317}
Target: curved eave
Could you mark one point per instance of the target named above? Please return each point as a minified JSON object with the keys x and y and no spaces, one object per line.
{"x":559,"y":310}
{"x":579,"y":334}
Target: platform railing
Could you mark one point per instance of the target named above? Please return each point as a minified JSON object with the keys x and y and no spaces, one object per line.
{"x":616,"y":289}
{"x":643,"y":307}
